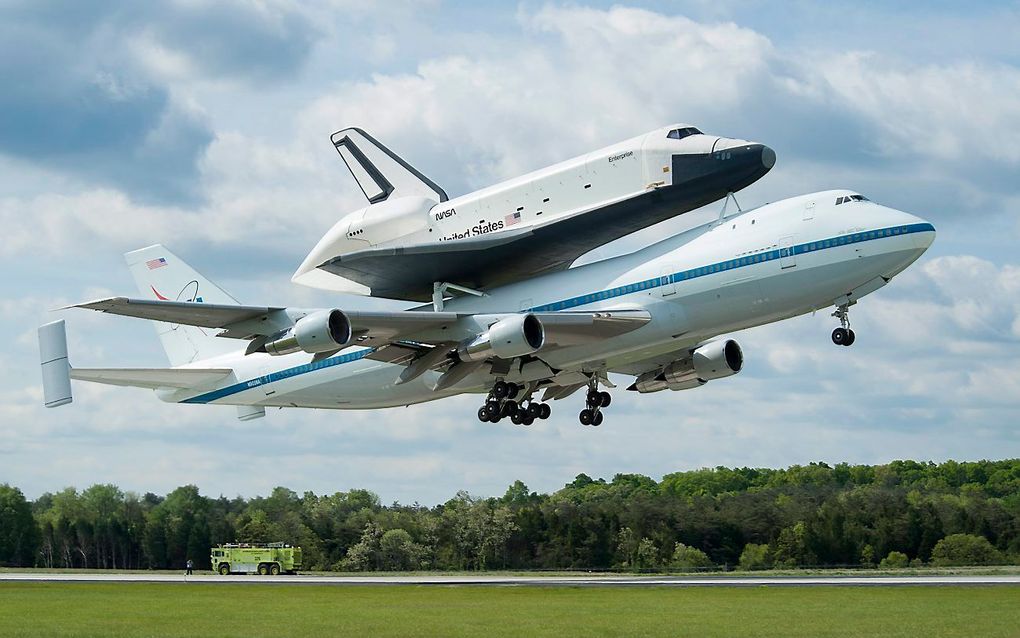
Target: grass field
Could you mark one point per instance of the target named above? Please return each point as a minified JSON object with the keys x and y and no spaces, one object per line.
{"x":133,"y":609}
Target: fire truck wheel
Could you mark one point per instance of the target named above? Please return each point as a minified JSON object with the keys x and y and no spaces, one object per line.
{"x":224,"y":569}
{"x":263,"y":569}
{"x":275,"y":570}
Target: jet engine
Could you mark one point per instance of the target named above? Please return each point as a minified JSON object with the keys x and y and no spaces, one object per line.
{"x":510,"y":337}
{"x":713,"y":360}
{"x":320,"y":331}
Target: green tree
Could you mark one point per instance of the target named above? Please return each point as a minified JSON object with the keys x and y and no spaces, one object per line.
{"x":19,"y":534}
{"x":791,"y":548}
{"x":399,"y":551}
{"x":965,"y":549}
{"x":687,"y":558}
{"x":895,"y":560}
{"x":755,"y":557}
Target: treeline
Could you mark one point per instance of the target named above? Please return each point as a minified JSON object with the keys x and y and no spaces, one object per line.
{"x":748,"y":518}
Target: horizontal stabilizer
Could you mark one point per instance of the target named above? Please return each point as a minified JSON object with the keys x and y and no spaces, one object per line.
{"x":187,"y":378}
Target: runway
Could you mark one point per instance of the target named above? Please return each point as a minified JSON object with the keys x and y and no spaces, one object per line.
{"x":523,"y":581}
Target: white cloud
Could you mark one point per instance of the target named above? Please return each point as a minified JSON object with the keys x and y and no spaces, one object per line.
{"x":932,"y":374}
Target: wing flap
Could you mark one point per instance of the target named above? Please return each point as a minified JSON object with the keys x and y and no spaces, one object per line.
{"x":152,"y":378}
{"x":577,"y":328}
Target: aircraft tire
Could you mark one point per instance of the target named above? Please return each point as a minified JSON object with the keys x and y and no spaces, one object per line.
{"x":605,"y":399}
{"x":512,"y":390}
{"x":852,"y":338}
{"x":509,"y":408}
{"x":492,"y":409}
{"x":534,"y":410}
{"x":544,"y":411}
{"x":527,"y":419}
{"x":597,"y":419}
{"x":483,"y":414}
{"x":840,"y":336}
{"x":586,"y":417}
{"x":516,"y":417}
{"x":500,"y":389}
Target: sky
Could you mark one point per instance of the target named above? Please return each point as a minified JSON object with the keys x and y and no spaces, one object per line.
{"x":205,"y":126}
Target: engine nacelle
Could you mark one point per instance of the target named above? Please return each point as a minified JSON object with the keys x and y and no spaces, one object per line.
{"x":718,"y":359}
{"x":713,"y":360}
{"x":510,"y":337}
{"x":320,"y":331}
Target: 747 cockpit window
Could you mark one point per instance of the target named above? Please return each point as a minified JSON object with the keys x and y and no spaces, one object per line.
{"x":681,"y":133}
{"x":851,"y":198}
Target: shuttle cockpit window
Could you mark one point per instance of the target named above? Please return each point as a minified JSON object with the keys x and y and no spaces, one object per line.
{"x":681,"y":133}
{"x":851,"y":198}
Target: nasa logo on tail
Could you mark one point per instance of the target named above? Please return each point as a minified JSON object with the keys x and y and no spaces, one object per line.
{"x":188,"y":293}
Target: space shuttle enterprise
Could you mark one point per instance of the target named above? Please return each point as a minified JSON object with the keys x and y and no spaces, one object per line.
{"x":413,"y":242}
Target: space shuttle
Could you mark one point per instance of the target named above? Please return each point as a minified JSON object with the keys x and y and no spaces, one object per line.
{"x":412,"y":241}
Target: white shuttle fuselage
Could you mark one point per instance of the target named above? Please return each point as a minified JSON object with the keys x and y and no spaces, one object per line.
{"x":560,"y":212}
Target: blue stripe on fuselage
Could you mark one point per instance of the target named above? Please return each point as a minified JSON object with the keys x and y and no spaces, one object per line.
{"x":602,"y":295}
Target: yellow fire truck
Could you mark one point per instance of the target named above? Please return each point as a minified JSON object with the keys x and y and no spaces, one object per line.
{"x":261,"y":558}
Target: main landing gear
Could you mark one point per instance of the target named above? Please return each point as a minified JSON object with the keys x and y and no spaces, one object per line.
{"x":501,"y":403}
{"x":596,"y":400}
{"x":843,"y":336}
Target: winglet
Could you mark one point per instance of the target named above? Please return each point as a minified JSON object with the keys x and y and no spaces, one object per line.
{"x":56,"y":371}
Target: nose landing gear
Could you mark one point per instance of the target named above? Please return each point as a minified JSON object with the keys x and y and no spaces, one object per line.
{"x":595,"y":402}
{"x":843,"y":336}
{"x":500,"y":404}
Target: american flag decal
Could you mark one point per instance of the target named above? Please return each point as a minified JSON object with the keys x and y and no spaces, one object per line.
{"x":153,"y":264}
{"x":512,"y":219}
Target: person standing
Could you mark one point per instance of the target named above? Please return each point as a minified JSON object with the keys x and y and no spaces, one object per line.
{"x":190,"y":565}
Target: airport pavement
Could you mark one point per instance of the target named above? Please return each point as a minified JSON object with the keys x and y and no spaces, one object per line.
{"x":517,"y":580}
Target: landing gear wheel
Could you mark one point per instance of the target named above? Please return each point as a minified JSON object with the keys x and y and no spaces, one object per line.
{"x":509,"y":408}
{"x":853,"y":337}
{"x":483,"y":414}
{"x":517,"y":417}
{"x":597,"y":419}
{"x":605,"y":399}
{"x":512,"y":390}
{"x":492,"y":409}
{"x":586,"y":417}
{"x":500,"y":389}
{"x":841,"y":337}
{"x":534,"y":410}
{"x":527,"y":419}
{"x":544,"y":411}
{"x":594,"y":397}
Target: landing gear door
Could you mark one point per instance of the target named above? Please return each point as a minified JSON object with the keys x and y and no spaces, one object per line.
{"x":787,"y":255}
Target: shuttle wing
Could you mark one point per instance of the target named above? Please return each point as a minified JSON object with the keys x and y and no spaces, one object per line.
{"x":408,"y":272}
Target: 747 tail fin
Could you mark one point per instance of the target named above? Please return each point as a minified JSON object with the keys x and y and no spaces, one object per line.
{"x":162,"y":275}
